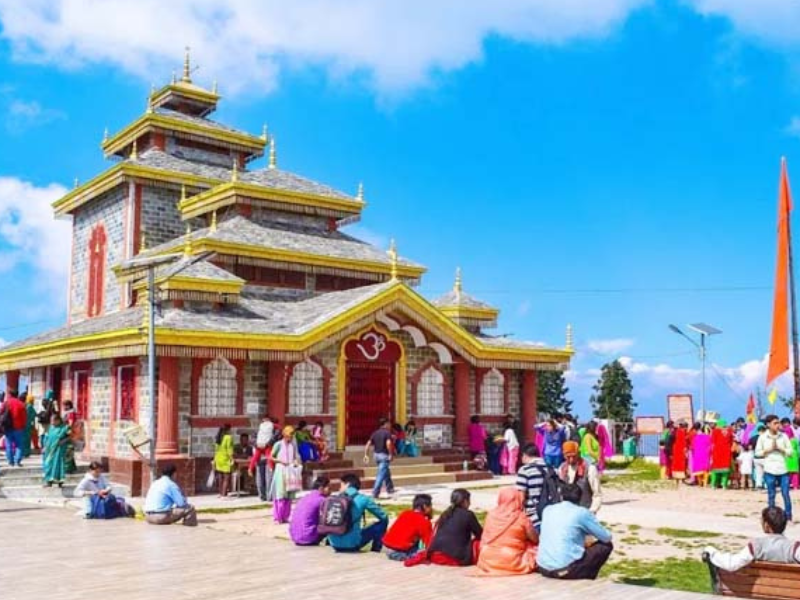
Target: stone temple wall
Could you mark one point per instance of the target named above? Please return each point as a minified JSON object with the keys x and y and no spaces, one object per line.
{"x":198,"y":154}
{"x":108,"y":210}
{"x":161,"y":220}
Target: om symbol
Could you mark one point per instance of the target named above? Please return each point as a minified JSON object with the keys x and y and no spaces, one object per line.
{"x":372,"y":345}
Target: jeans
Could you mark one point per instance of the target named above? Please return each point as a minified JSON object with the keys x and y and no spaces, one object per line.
{"x":554,"y":460}
{"x":14,"y":447}
{"x":400,"y":555}
{"x":384,"y":475}
{"x":586,"y":567}
{"x":370,"y":535}
{"x":263,"y":480}
{"x":773,"y":481}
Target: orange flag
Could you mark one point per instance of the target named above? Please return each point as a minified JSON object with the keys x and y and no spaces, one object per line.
{"x":779,"y":346}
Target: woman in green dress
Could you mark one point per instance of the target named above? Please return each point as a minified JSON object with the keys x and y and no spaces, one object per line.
{"x":55,"y":449}
{"x":223,"y":459}
{"x":30,"y":427}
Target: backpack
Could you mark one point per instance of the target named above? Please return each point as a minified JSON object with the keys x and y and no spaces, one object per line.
{"x":6,"y":422}
{"x":266,"y":431}
{"x":551,"y":489}
{"x":104,"y":508}
{"x":335,"y":517}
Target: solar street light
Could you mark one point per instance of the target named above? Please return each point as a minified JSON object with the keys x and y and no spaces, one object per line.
{"x":705,"y":331}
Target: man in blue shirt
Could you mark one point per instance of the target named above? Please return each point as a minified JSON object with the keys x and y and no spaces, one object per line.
{"x":165,"y":503}
{"x":564,"y":542}
{"x":357,"y":537}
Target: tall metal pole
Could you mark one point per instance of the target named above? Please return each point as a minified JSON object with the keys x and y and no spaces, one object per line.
{"x":703,"y":376}
{"x":793,"y":300}
{"x":151,"y":365}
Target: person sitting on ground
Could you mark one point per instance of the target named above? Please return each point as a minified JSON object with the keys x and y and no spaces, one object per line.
{"x":99,"y":502}
{"x":530,"y":480}
{"x":357,"y":537}
{"x":572,"y":543}
{"x":456,"y":537}
{"x":165,"y":503}
{"x":305,"y":521}
{"x":508,"y":543}
{"x":774,"y":547}
{"x":412,"y":531}
{"x":584,"y":475}
{"x":305,"y":443}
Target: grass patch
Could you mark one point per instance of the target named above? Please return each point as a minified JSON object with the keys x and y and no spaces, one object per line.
{"x":634,"y":527}
{"x":739,"y":515}
{"x":687,"y":575}
{"x":619,"y":465}
{"x":686,"y":533}
{"x":639,"y":471}
{"x":232,"y":509}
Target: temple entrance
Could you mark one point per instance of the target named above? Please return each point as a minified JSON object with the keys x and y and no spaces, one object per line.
{"x":371,"y":375}
{"x":370,"y":396}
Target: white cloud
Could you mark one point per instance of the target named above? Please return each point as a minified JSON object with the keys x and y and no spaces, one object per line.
{"x":524,"y":308}
{"x":367,"y":235}
{"x":774,"y":22}
{"x":395,"y":46}
{"x":613,"y":346}
{"x":24,"y":114}
{"x":793,"y":128}
{"x":30,"y":236}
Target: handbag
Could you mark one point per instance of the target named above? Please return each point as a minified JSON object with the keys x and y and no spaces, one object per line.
{"x":294,"y":478}
{"x":212,"y":477}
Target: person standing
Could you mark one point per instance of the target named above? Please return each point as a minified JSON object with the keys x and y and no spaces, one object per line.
{"x":165,"y":503}
{"x":511,"y":449}
{"x":14,"y":420}
{"x":31,"y":437}
{"x":55,"y":451}
{"x":567,"y":528}
{"x":381,"y":444}
{"x":284,"y":484}
{"x":477,"y":436}
{"x":774,"y":447}
{"x":554,"y":438}
{"x":578,"y":472}
{"x":223,"y":459}
{"x":530,"y":481}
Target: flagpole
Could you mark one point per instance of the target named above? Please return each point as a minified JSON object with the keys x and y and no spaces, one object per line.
{"x":793,"y":301}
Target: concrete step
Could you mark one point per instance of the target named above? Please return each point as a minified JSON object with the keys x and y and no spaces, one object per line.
{"x":406,"y":469}
{"x":40,"y":493}
{"x":25,"y":479}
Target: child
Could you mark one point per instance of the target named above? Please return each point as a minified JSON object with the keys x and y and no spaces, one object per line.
{"x":412,"y":531}
{"x":746,"y":460}
{"x":774,"y":547}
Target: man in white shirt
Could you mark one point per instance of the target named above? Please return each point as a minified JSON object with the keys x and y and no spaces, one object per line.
{"x":774,"y":446}
{"x":583,"y":474}
{"x":774,"y":547}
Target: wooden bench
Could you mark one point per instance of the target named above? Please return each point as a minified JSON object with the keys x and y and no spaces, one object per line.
{"x":768,"y":581}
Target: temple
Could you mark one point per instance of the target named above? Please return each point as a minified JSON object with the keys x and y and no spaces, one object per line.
{"x":264,"y":306}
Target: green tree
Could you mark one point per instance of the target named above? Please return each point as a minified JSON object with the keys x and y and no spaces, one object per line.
{"x":613,"y":394}
{"x":551,"y":393}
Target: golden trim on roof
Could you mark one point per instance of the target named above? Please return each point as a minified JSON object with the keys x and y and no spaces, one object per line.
{"x":227,"y":194}
{"x":195,"y":284}
{"x":149,"y":122}
{"x":470,"y":312}
{"x":189,"y":91}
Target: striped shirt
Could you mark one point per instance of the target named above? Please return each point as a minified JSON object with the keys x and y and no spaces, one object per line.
{"x":530,"y":481}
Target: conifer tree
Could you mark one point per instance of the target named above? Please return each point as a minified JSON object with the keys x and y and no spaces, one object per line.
{"x":613,"y":394}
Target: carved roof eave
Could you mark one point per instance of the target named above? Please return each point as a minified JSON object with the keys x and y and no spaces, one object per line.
{"x":397,"y":296}
{"x":192,"y":92}
{"x":195,"y":284}
{"x":470,"y":312}
{"x":253,"y":145}
{"x":231,"y":193}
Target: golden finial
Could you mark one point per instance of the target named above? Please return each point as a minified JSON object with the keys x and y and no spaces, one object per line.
{"x":214,"y":89}
{"x":183,"y":194}
{"x":393,"y":256}
{"x":187,"y":247}
{"x":264,"y":135}
{"x":213,"y":221}
{"x":149,"y":109}
{"x":142,"y":242}
{"x":134,"y":151}
{"x":235,"y":171}
{"x":76,"y":182}
{"x":105,"y":135}
{"x":273,"y":163}
{"x":457,"y":285}
{"x":187,"y":68}
{"x":569,"y":337}
{"x":174,"y":79}
{"x":360,"y":195}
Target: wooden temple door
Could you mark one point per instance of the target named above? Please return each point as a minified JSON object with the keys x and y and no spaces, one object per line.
{"x":370,"y":396}
{"x":370,"y":392}
{"x":56,"y":375}
{"x":81,"y":400}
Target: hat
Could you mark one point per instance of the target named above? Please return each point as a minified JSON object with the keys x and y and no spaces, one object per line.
{"x":570,"y":447}
{"x":288,"y":430}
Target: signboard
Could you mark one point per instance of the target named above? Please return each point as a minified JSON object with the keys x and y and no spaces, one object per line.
{"x":679,"y":408}
{"x":432,"y":435}
{"x":137,"y":436}
{"x":649,"y":425}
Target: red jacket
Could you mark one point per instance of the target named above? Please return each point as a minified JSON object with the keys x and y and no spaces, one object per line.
{"x":18,"y":412}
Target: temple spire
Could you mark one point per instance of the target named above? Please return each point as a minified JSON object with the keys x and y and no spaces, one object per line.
{"x":142,"y":242}
{"x":273,"y":159}
{"x":569,"y":337}
{"x":360,"y":195}
{"x":264,"y":133}
{"x":187,"y":247}
{"x":183,"y":194}
{"x":187,"y":66}
{"x":213,"y":227}
{"x":214,"y":88}
{"x":457,"y":287}
{"x":105,"y":135}
{"x":235,"y":171}
{"x":76,"y":183}
{"x":393,"y":257}
{"x":134,"y":151}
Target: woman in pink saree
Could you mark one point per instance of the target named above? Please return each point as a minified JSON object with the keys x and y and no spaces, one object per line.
{"x":700,"y":456}
{"x":606,"y":447}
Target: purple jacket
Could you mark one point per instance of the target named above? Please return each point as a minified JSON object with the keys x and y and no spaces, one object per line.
{"x":305,"y":518}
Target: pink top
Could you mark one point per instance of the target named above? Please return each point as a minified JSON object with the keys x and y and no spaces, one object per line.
{"x":477,"y":438}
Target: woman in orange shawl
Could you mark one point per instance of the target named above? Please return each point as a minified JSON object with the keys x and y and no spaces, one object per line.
{"x":508,"y":543}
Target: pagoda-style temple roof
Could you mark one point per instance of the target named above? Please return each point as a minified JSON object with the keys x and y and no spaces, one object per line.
{"x":239,"y":236}
{"x":465,"y":309}
{"x":193,"y":279}
{"x":266,"y":323}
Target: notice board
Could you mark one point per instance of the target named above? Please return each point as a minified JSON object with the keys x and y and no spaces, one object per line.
{"x":679,"y":408}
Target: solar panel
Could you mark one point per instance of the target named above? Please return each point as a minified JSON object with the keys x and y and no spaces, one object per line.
{"x":704,"y":328}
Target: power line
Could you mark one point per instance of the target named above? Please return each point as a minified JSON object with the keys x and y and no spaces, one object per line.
{"x":654,"y":290}
{"x":23,"y":325}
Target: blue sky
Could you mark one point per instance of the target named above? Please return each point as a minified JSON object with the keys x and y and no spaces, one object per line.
{"x":607,"y":163}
